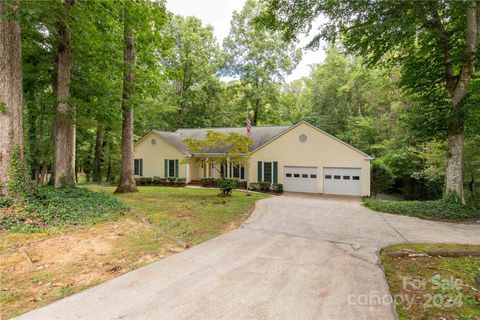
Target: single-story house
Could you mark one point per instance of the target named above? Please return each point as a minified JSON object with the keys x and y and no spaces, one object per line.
{"x":302,"y":157}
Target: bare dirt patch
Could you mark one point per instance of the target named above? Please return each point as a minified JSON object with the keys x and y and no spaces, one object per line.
{"x":39,"y":268}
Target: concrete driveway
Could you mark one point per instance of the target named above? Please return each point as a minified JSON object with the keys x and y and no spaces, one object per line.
{"x":297,"y":257}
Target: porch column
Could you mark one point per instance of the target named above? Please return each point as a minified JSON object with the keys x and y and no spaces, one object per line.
{"x":228,"y":169}
{"x":187,"y":174}
{"x":207,"y":163}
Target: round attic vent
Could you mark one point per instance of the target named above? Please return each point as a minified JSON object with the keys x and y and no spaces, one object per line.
{"x":302,"y":138}
{"x":153,"y":141}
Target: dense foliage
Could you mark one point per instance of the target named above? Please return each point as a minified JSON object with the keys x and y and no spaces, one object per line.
{"x":185,"y":78}
{"x":56,"y":207}
{"x":434,"y":209}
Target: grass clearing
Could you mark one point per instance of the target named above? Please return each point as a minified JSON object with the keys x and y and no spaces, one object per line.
{"x":434,"y":210}
{"x":426,"y":287}
{"x":40,"y":267}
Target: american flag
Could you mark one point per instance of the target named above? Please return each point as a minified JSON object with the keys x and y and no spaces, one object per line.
{"x":249,"y":124}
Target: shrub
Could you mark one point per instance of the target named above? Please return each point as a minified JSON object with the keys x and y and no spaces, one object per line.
{"x":254,"y":186}
{"x":181,"y":181}
{"x":50,"y":207}
{"x":277,"y":187}
{"x":436,"y":209}
{"x":227,"y":185}
{"x":172,"y":181}
{"x":264,"y":186}
{"x":156,"y":181}
{"x":145,"y":181}
{"x":163,"y":181}
{"x":208,"y":182}
{"x":242,"y":185}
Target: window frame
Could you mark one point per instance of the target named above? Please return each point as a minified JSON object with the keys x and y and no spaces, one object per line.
{"x":271,"y":171}
{"x":171,"y":168}
{"x":138,"y":167}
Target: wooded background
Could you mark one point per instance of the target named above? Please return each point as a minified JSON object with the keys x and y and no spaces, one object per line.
{"x":93,"y":71}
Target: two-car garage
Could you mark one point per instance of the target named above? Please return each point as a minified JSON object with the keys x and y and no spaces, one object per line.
{"x":341,"y":181}
{"x":308,"y":160}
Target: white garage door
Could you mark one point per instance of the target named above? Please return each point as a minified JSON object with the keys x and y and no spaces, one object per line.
{"x":300,"y":179}
{"x":344,"y":181}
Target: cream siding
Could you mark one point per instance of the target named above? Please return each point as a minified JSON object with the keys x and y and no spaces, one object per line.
{"x":320,"y":150}
{"x":153,"y":156}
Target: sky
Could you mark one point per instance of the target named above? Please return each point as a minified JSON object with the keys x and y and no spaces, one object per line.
{"x":218,"y":13}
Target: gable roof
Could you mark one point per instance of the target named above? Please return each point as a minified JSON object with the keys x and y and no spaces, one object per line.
{"x":261,"y":136}
{"x":368,"y":157}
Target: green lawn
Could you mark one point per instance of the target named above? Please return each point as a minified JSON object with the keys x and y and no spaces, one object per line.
{"x":426,"y":287}
{"x":40,"y":264}
{"x":193,"y":215}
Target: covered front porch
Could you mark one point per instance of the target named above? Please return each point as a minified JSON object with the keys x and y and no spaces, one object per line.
{"x":201,"y":167}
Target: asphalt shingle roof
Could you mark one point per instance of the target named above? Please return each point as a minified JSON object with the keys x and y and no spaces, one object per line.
{"x":260,"y":135}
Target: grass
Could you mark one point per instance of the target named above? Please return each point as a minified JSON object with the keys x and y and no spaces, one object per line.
{"x":48,"y":264}
{"x":426,"y":287}
{"x":435,"y":210}
{"x":193,"y":215}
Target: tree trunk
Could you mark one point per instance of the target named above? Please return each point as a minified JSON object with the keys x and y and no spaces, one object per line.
{"x":454,"y":168}
{"x":109,"y":170}
{"x":458,"y":90}
{"x":64,"y":157}
{"x":127,"y":177}
{"x":97,"y":162}
{"x":43,"y":174}
{"x":473,"y":191}
{"x":11,"y":103}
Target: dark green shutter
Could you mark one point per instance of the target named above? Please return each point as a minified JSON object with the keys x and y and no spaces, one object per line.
{"x":259,"y":176}
{"x":242,"y":173}
{"x":141,"y":167}
{"x":176,"y":168}
{"x":275,"y":172}
{"x":166,"y":168}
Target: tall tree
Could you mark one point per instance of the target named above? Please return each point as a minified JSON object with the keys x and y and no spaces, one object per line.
{"x":435,"y":43}
{"x":64,"y":133}
{"x":127,"y":176}
{"x":258,"y":57}
{"x":12,"y":161}
{"x":192,"y":88}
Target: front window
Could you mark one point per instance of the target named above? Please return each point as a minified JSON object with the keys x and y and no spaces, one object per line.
{"x":171,"y":168}
{"x":267,"y":172}
{"x":138,"y":167}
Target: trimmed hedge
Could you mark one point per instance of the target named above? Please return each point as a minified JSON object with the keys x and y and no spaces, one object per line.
{"x":157,"y":181}
{"x":266,"y":187}
{"x":435,"y":209}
